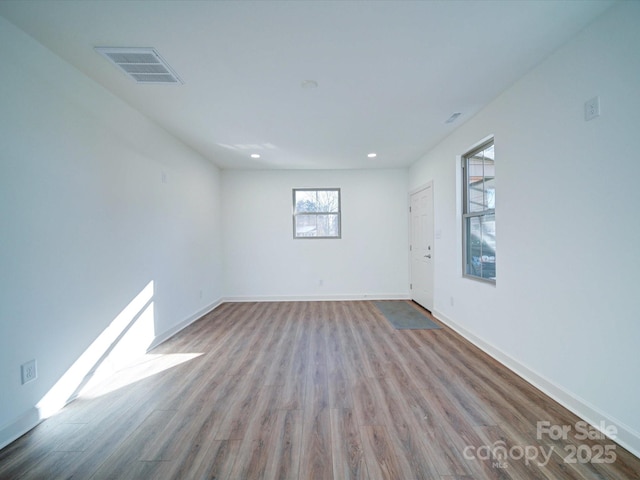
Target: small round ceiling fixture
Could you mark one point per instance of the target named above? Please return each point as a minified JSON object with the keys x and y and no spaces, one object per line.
{"x":372,"y":155}
{"x":255,"y":155}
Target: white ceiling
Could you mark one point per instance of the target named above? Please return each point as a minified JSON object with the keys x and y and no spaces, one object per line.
{"x":389,"y":74}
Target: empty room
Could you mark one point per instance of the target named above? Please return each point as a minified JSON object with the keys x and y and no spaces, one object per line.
{"x":319,"y":239}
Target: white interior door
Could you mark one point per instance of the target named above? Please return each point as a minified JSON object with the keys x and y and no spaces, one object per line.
{"x":422,"y":252}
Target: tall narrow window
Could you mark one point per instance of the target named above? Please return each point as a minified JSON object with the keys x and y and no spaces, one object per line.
{"x":316,"y":213}
{"x":479,"y":213}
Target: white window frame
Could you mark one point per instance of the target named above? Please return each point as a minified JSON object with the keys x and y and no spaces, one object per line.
{"x":298,"y":235}
{"x":467,"y":214}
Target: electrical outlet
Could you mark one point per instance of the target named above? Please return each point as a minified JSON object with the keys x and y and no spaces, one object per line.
{"x":592,"y":108}
{"x":29,"y":371}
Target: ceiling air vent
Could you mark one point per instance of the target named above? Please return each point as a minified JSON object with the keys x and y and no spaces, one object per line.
{"x":144,"y":65}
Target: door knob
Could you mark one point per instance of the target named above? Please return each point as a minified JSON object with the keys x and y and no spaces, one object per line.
{"x":427,"y":256}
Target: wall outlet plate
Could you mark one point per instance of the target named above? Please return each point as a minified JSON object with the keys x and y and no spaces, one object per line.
{"x":29,"y":371}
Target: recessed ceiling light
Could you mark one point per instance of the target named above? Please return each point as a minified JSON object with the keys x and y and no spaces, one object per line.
{"x":309,"y":84}
{"x":255,"y":155}
{"x":372,"y":155}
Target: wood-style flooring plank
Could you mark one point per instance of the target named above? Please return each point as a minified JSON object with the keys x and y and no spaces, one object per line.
{"x":348,"y":460}
{"x":285,"y":446}
{"x":315,"y":460}
{"x":179,"y":425}
{"x":216,"y":462}
{"x":380,"y":455}
{"x":126,"y":457}
{"x":256,"y":445}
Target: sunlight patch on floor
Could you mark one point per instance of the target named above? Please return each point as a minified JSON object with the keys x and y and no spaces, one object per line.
{"x":144,"y":367}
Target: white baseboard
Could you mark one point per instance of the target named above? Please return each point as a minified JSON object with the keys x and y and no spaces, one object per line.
{"x":317,"y":298}
{"x":164,"y":336}
{"x":626,"y":436}
{"x":22,"y":425}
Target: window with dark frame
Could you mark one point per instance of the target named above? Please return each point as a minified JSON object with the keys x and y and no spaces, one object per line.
{"x":479,"y":216}
{"x":316,"y":213}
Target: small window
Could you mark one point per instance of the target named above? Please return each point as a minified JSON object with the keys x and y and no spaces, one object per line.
{"x":479,"y":215}
{"x":316,"y":213}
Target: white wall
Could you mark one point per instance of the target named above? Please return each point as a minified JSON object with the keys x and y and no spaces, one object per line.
{"x":263,"y":261}
{"x":87,"y":222}
{"x":565,"y":310}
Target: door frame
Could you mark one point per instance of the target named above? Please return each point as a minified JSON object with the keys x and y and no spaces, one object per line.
{"x":412,"y":192}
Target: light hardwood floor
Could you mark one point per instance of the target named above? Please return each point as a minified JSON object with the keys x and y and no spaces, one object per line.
{"x":310,"y":390}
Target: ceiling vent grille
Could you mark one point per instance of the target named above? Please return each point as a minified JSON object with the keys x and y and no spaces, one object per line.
{"x":143,"y":65}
